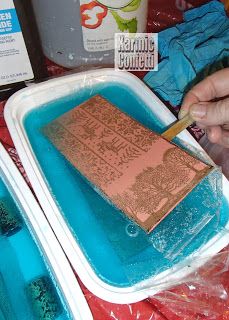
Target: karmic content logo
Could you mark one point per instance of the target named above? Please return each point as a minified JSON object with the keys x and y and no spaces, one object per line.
{"x":136,"y":52}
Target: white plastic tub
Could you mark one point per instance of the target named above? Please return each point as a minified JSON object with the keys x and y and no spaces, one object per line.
{"x":36,"y":99}
{"x":45,"y":239}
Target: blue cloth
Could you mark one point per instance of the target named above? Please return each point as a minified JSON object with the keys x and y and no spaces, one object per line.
{"x":191,"y":50}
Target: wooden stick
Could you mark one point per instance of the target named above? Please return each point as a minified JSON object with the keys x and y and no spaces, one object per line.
{"x":178,"y":127}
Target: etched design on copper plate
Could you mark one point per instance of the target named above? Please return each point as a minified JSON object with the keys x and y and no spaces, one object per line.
{"x":156,"y":189}
{"x":105,"y":140}
{"x":144,"y":175}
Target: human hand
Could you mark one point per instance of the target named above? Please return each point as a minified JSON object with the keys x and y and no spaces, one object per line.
{"x":209,"y":114}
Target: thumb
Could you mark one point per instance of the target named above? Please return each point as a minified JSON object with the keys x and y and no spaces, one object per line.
{"x":211,"y":113}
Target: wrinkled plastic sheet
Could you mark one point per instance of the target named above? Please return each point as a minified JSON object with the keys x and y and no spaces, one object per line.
{"x":189,"y":226}
{"x":202,"y":294}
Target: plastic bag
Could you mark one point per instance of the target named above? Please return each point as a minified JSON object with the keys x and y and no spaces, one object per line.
{"x":202,"y":295}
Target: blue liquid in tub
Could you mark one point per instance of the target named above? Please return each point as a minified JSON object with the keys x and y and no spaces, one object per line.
{"x":20,"y":264}
{"x":115,"y":259}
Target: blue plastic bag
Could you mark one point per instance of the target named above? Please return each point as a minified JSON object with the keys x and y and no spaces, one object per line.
{"x":191,"y":50}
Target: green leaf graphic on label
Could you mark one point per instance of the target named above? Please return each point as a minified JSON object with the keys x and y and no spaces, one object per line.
{"x":133,"y":6}
{"x":124,"y":24}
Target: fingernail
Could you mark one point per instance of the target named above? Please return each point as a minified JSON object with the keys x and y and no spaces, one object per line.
{"x":182,"y":113}
{"x":198,"y":111}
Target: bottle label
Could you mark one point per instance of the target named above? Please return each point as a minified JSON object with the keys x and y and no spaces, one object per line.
{"x":101,"y":19}
{"x":15,"y":64}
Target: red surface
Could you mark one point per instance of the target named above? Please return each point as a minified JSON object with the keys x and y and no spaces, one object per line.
{"x":205,"y":297}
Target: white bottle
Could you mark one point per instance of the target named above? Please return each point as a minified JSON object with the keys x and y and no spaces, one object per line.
{"x":21,"y":57}
{"x":81,"y":32}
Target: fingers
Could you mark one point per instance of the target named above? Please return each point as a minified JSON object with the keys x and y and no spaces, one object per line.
{"x":211,"y":113}
{"x":218,"y":135}
{"x":214,"y":134}
{"x":213,"y":116}
{"x":200,"y":93}
{"x":225,"y":139}
{"x":214,"y":86}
